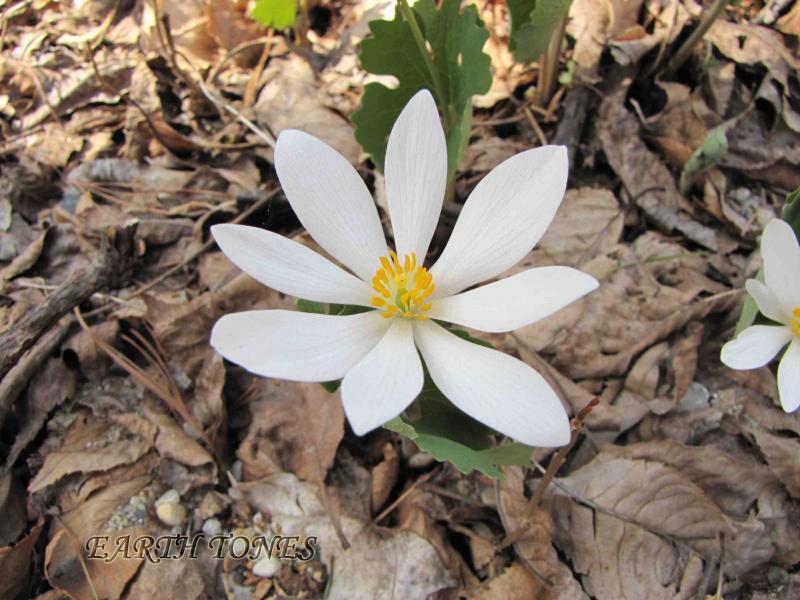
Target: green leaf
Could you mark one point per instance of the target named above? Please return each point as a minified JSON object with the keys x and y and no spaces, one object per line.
{"x":435,"y":425}
{"x":710,"y":152}
{"x":749,"y":309}
{"x":343,"y":310}
{"x":331,"y":386}
{"x":310,"y":306}
{"x":442,"y":439}
{"x":465,"y":336}
{"x":533,"y":24}
{"x":456,"y":40}
{"x":791,"y":211}
{"x":279,"y":14}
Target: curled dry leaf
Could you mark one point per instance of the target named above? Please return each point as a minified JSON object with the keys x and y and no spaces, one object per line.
{"x":384,"y":476}
{"x":783,"y":457}
{"x":533,"y":531}
{"x":592,"y":24}
{"x":53,"y":384}
{"x":88,"y":447}
{"x":12,"y":507}
{"x":14,"y":564}
{"x":646,"y":177}
{"x":296,"y":427}
{"x":648,"y":291}
{"x":588,"y":223}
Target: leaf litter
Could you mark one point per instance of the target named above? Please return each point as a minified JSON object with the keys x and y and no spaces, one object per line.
{"x":685,"y":480}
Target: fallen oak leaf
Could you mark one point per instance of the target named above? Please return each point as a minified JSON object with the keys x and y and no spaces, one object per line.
{"x":15,"y":562}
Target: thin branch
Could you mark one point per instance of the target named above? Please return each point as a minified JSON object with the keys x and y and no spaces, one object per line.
{"x":686,"y":48}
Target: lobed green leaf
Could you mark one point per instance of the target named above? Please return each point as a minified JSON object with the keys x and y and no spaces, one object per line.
{"x":533,"y":24}
{"x":456,"y":40}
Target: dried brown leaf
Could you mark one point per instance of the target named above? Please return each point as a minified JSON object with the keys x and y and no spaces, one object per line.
{"x":646,"y":178}
{"x":297,"y":427}
{"x":628,"y":554}
{"x":783,"y":457}
{"x":389,"y":563}
{"x":647,"y":292}
{"x":15,"y":562}
{"x":533,"y":531}
{"x":733,"y":484}
{"x":88,"y":448}
{"x":68,"y":568}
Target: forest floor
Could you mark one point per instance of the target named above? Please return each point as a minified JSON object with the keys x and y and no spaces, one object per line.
{"x":127,"y":129}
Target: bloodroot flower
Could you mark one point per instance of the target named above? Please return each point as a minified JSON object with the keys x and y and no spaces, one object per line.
{"x":375,"y":352}
{"x":778,"y":300}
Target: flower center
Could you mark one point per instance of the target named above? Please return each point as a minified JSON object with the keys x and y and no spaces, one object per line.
{"x":796,"y":321}
{"x":403,"y":287}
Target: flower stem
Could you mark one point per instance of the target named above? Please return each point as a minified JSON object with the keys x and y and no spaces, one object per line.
{"x":443,"y":100}
{"x":686,"y":48}
{"x":549,"y":65}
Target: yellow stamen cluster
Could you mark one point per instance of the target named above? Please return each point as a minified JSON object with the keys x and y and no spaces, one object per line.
{"x":796,"y":321}
{"x":403,"y":287}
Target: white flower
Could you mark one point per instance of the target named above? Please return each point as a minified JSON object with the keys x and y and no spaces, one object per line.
{"x":375,"y":352}
{"x":778,"y":300}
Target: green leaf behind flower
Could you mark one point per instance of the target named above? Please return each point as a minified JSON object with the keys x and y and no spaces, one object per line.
{"x":441,"y":437}
{"x":279,"y":14}
{"x":456,"y":39}
{"x":533,"y":24}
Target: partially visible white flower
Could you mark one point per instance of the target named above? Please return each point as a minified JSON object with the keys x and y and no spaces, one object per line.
{"x":778,"y":300}
{"x":375,"y":352}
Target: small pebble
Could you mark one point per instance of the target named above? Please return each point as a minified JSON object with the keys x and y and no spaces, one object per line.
{"x":420,"y":460}
{"x":169,"y":497}
{"x":212,"y":526}
{"x":267,"y":567}
{"x":171,"y":513}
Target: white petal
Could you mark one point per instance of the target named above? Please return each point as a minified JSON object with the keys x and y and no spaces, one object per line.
{"x":789,"y":377}
{"x":768,"y":302}
{"x":781,"y":255}
{"x":386,"y":380}
{"x":515,"y":301}
{"x":289,"y":267}
{"x":755,"y":346}
{"x":503,"y":218}
{"x":331,"y":201}
{"x":492,"y":387}
{"x":416,"y":174}
{"x":299,"y":346}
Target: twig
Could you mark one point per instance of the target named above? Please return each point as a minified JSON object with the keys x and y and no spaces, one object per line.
{"x":555,"y":464}
{"x":389,"y":509}
{"x":535,"y":124}
{"x":19,"y":375}
{"x":192,"y":255}
{"x":244,"y":120}
{"x":250,"y":90}
{"x":444,"y":101}
{"x":549,"y":65}
{"x":114,"y":259}
{"x":686,"y":48}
